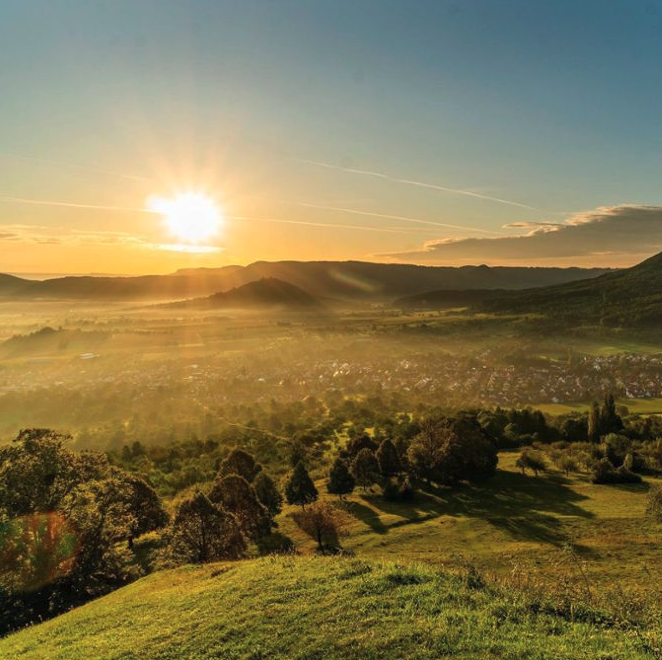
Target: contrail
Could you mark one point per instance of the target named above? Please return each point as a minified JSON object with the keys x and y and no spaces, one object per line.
{"x":394,"y":230}
{"x":420,"y":184}
{"x":50,"y":202}
{"x":396,"y":217}
{"x":72,"y":166}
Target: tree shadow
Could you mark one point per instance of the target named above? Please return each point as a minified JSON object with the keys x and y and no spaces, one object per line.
{"x":366,"y":515}
{"x":275,"y":543}
{"x":526,"y":507}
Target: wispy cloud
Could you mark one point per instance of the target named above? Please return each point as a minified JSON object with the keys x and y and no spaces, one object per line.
{"x":72,"y":166}
{"x":420,"y":184}
{"x":72,"y":205}
{"x":617,"y":234}
{"x":402,"y":218}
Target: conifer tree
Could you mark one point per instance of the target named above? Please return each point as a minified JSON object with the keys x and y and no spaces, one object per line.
{"x":388,"y":459}
{"x":268,"y":493}
{"x":300,"y":488}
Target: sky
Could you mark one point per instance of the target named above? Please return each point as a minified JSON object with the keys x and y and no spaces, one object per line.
{"x":426,"y":131}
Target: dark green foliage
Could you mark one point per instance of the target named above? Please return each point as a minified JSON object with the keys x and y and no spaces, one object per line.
{"x":240,"y":462}
{"x":299,"y":488}
{"x":605,"y":473}
{"x":82,"y":504}
{"x":594,"y":428}
{"x":268,"y":493}
{"x":610,"y":421}
{"x":365,"y":468}
{"x":388,"y":459}
{"x":149,"y":513}
{"x":448,"y":450}
{"x":235,"y":495}
{"x":341,"y":481}
{"x":203,"y":531}
{"x":356,"y":444}
{"x":616,"y":448}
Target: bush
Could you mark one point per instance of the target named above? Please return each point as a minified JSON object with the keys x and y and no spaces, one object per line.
{"x":605,"y":473}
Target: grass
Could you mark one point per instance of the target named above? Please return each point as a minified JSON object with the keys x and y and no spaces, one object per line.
{"x":323,"y":608}
{"x":520,"y":567}
{"x":513,"y":522}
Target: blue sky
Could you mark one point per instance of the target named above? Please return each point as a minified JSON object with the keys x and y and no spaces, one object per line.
{"x":554,"y":106}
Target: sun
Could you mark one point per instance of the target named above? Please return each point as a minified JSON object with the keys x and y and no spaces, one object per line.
{"x":192,"y":217}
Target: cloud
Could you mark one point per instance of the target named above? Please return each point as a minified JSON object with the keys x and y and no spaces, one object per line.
{"x":618,"y":235}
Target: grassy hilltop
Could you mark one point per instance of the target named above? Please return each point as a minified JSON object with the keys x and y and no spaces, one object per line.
{"x":322,"y":608}
{"x":409,"y":591}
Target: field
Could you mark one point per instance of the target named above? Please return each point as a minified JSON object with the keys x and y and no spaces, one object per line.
{"x":539,"y":528}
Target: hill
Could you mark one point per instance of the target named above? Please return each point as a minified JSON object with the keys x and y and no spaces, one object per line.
{"x":630,"y":298}
{"x":331,"y":279}
{"x":322,"y":608}
{"x":268,"y":292}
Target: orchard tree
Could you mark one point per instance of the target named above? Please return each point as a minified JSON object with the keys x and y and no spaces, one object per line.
{"x":531,"y":460}
{"x":324,"y":523}
{"x":341,"y":482}
{"x":299,"y":488}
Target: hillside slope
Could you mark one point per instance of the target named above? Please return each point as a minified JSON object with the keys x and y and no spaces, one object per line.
{"x":265,"y":293}
{"x":630,"y":297}
{"x":318,"y":608}
{"x":332,"y":279}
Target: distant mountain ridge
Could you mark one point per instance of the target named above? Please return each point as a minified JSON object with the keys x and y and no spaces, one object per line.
{"x":352,"y":280}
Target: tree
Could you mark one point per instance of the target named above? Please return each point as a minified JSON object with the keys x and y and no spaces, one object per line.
{"x":532,"y":460}
{"x":341,"y":482}
{"x":566,"y":463}
{"x":356,"y":444}
{"x":594,"y":427}
{"x":146,"y":507}
{"x":388,"y":459}
{"x":240,"y":462}
{"x":268,"y":493}
{"x":610,"y":421}
{"x":324,"y":523}
{"x":234,"y":494}
{"x":204,"y":532}
{"x":365,"y":468}
{"x":427,"y":453}
{"x":299,"y":488}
